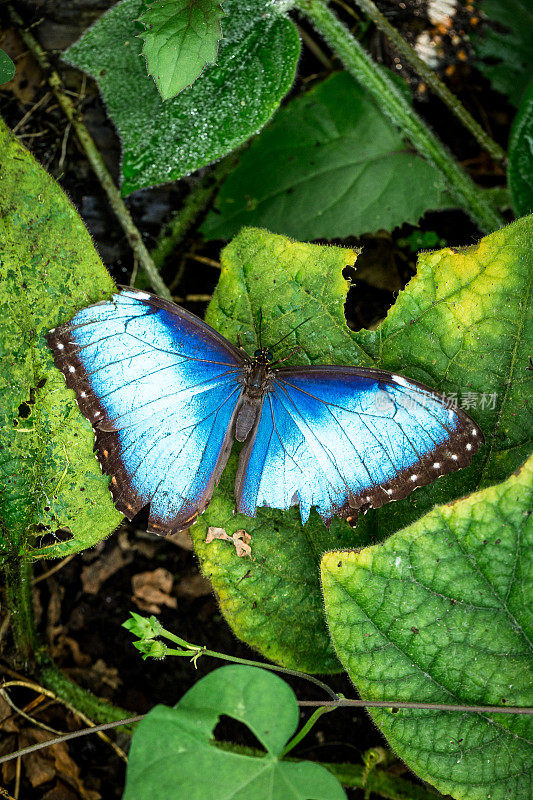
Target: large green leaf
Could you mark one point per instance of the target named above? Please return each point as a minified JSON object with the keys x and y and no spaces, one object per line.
{"x":462,"y":325}
{"x":440,"y":614}
{"x":520,"y":172}
{"x":49,"y":269}
{"x":228,"y":103}
{"x":504,"y":49}
{"x":173,"y":756}
{"x":181,"y":37}
{"x":331,"y":164}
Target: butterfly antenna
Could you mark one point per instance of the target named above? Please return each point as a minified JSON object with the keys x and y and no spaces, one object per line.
{"x":260,"y":327}
{"x":281,"y":360}
{"x":290,"y":332}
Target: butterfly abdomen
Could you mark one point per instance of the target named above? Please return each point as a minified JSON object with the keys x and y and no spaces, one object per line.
{"x":257,"y":380}
{"x":246,"y":417}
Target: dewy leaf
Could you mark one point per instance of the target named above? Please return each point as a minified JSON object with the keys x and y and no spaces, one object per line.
{"x":49,"y":269}
{"x":228,"y":103}
{"x":504,"y":49}
{"x":172,"y":752}
{"x":439,"y":613}
{"x":462,"y":325}
{"x":7,"y":68}
{"x":181,"y":37}
{"x":520,"y":171}
{"x":330,"y":165}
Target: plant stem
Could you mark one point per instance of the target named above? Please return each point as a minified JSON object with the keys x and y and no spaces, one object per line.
{"x":248,"y":663}
{"x":19,"y":575}
{"x":95,"y":159}
{"x":313,"y":719}
{"x":398,"y":108}
{"x":432,"y":80}
{"x":127,"y":722}
{"x":77,"y":698}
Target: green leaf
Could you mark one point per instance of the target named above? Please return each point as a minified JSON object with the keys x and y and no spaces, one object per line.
{"x":520,"y":172}
{"x":172,"y":753}
{"x":263,"y":596}
{"x":228,"y":103}
{"x":504,"y":49}
{"x":330,"y":165}
{"x":439,"y":614}
{"x":49,"y":269}
{"x":7,"y":68}
{"x":462,"y":325}
{"x":181,"y":37}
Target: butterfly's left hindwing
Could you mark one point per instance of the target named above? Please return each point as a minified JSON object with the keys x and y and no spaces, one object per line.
{"x":160,"y":388}
{"x":341,"y":438}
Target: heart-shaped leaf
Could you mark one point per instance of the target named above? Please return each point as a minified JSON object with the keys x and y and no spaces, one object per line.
{"x":330,"y":165}
{"x":228,"y":103}
{"x":462,"y":325}
{"x":49,"y":269}
{"x":440,"y":614}
{"x":181,"y":37}
{"x":173,"y":755}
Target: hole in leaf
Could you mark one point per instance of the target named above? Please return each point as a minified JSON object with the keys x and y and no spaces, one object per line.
{"x":24,"y":410}
{"x":349,"y":274}
{"x":366,"y":306}
{"x":63,"y":534}
{"x":40,"y":528}
{"x":231,"y":730}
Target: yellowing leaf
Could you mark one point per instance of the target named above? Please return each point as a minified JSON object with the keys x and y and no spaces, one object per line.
{"x":50,"y":480}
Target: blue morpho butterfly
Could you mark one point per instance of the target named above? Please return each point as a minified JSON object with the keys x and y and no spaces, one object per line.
{"x":167,"y":395}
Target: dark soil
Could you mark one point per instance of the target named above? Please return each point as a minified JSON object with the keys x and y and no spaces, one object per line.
{"x":82,"y":628}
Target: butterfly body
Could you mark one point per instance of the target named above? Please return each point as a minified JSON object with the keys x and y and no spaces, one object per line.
{"x":167,"y":396}
{"x":257,"y":377}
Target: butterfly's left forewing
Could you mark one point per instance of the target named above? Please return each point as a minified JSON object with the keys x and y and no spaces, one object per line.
{"x":341,"y":438}
{"x":160,"y":388}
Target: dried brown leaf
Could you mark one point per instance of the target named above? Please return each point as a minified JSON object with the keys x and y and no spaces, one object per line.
{"x":151,"y":590}
{"x":240,"y":539}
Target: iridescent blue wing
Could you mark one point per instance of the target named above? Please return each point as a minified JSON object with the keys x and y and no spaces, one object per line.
{"x":342,"y":438}
{"x":160,"y":388}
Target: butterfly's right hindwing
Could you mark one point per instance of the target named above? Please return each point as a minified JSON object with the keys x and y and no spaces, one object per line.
{"x":340,"y":438}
